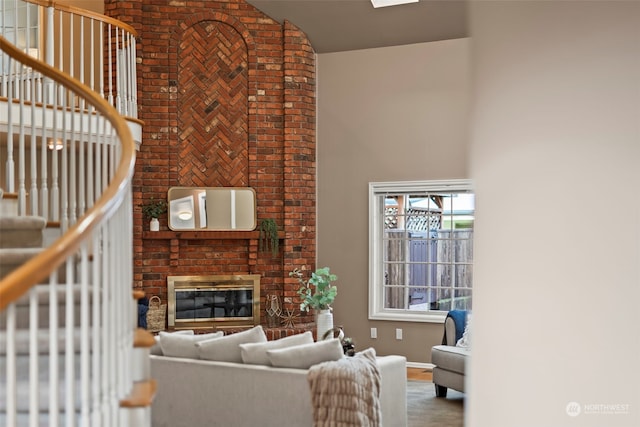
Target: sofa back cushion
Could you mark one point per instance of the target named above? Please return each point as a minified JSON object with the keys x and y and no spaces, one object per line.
{"x":156,"y":350}
{"x":227,"y":348}
{"x":256,"y":353}
{"x":183,"y":345}
{"x":306,"y":355}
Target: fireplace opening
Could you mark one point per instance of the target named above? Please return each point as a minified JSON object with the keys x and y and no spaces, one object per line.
{"x":219,"y":301}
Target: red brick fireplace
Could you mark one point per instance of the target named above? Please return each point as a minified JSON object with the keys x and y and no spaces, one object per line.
{"x":227,"y":97}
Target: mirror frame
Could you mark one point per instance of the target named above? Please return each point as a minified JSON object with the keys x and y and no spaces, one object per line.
{"x":211,"y":209}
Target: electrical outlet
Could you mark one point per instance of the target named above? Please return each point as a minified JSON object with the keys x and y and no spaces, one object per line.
{"x":398,"y":334}
{"x":374,"y":333}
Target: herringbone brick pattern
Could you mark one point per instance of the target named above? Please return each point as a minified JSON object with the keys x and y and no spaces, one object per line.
{"x":212,"y":113}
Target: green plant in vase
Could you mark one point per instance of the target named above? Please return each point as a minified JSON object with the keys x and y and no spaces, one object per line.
{"x":152,"y":210}
{"x":317,"y":292}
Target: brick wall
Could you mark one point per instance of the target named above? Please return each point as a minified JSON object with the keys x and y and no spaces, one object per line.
{"x":227,"y":96}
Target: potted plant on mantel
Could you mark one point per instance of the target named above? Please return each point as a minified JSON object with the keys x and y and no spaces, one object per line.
{"x":152,"y":210}
{"x":318,"y":293}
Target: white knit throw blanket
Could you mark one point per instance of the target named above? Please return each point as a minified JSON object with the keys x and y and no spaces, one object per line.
{"x":346,"y":392}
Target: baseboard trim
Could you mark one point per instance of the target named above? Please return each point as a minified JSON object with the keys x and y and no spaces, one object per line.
{"x":421,"y":365}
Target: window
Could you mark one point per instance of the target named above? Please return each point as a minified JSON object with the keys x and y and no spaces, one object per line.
{"x":420,"y":249}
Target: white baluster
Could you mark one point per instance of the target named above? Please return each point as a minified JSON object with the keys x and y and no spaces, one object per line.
{"x":10,"y":373}
{"x":22,"y":191}
{"x":34,"y":385}
{"x":109,"y":55}
{"x":85,"y":337}
{"x":10,"y":173}
{"x":118,"y":71}
{"x":54,"y":379}
{"x":70,"y":352}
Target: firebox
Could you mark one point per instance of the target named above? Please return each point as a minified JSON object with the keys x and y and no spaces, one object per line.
{"x":219,"y":301}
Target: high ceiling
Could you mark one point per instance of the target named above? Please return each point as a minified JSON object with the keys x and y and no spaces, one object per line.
{"x":340,"y":25}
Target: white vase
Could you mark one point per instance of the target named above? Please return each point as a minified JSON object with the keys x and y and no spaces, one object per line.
{"x":324,"y":322}
{"x":154,"y":225}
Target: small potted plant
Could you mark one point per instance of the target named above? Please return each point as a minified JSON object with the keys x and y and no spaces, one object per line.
{"x":152,"y":210}
{"x":318,"y":293}
{"x":269,"y":240}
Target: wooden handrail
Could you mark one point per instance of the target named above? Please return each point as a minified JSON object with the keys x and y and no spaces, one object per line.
{"x":18,"y":282}
{"x":85,"y":13}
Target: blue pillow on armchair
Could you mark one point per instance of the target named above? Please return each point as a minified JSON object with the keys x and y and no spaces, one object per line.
{"x":460,"y":319}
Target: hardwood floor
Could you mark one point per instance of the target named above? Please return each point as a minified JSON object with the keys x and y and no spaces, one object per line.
{"x":419,"y":374}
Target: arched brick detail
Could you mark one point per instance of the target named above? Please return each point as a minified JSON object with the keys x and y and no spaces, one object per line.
{"x":212,"y":144}
{"x":195,"y":18}
{"x":213,"y":55}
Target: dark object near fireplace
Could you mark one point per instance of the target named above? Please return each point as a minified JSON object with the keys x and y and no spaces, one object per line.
{"x":348,"y":346}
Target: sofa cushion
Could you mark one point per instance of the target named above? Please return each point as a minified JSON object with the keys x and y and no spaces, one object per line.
{"x":449,"y":357}
{"x":227,"y":348}
{"x":156,"y":350}
{"x":183,"y":345}
{"x":256,"y":353}
{"x":306,"y":355}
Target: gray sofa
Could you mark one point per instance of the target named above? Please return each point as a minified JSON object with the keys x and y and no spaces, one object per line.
{"x":193,"y":392}
{"x":449,"y":360}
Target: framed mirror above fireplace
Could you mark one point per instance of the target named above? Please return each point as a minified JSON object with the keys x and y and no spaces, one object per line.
{"x":214,"y":301}
{"x":212,"y":208}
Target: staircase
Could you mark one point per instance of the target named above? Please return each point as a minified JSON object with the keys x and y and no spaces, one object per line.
{"x":70,"y":350}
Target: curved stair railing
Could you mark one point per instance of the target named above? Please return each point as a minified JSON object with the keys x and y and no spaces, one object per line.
{"x":67,"y":315}
{"x":97,"y":50}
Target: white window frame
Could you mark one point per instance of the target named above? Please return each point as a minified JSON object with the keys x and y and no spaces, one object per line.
{"x":376,"y":297}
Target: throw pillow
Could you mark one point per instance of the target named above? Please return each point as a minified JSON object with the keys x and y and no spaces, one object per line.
{"x":179,"y":345}
{"x":156,"y":350}
{"x":306,"y":355}
{"x":256,"y":353}
{"x":465,"y":341}
{"x":227,"y":348}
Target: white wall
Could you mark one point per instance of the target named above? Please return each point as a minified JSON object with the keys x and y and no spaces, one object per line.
{"x":397,"y":113}
{"x":556,"y":163}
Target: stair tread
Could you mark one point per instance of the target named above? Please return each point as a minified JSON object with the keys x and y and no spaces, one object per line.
{"x":143,"y":339}
{"x":22,"y":222}
{"x":42,"y":419}
{"x":141,"y":395}
{"x":44,"y":389}
{"x":21,"y":231}
{"x":43,"y":291}
{"x":43,"y":340}
{"x":18,"y":254}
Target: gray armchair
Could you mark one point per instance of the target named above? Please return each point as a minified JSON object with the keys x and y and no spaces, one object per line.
{"x":450,"y":360}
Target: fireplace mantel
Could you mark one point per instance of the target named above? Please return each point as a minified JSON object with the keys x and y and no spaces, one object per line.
{"x":204,"y":235}
{"x":175,"y":237}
